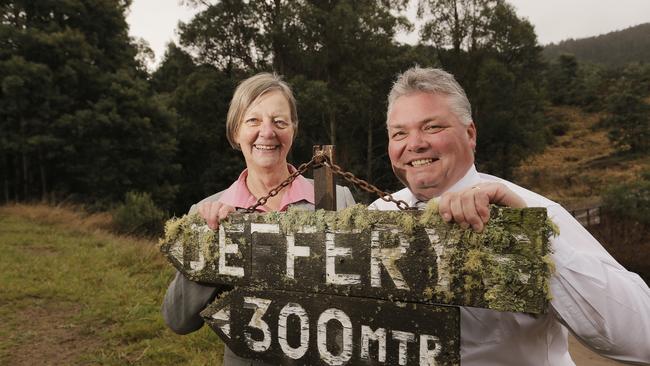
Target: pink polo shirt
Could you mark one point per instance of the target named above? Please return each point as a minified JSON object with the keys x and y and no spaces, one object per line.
{"x":238,"y":195}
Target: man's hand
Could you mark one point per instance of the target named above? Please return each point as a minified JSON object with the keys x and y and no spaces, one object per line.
{"x":470,"y":207}
{"x":214,"y":212}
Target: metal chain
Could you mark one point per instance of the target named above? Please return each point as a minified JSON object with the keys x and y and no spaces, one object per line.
{"x":321,"y":158}
{"x":367,"y":186}
{"x":316,"y":159}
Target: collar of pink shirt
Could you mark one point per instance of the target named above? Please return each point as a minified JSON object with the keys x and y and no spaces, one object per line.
{"x":238,"y":195}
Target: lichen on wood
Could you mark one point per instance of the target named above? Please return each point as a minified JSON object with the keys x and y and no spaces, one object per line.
{"x":505,"y":267}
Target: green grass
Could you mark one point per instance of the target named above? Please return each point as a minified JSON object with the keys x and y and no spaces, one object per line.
{"x":69,"y":295}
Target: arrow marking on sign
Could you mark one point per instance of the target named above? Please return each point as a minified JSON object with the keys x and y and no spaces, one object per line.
{"x":222,"y":318}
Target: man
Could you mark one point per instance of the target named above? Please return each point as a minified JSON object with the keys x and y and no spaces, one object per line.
{"x":431,"y":147}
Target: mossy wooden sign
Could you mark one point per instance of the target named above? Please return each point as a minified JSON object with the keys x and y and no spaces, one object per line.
{"x":288,"y":327}
{"x":372,"y":259}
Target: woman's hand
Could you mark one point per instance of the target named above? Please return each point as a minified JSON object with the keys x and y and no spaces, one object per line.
{"x":214,"y":212}
{"x":470,"y":207}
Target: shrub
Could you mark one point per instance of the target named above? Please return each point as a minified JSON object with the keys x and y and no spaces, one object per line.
{"x":138,"y":215}
{"x":625,"y":224}
{"x":630,"y":200}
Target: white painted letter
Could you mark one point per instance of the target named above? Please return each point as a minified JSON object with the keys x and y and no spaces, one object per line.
{"x":265,"y":228}
{"x":225,"y":248}
{"x":294,"y":251}
{"x":387,"y":257}
{"x":403,"y":338}
{"x":331,"y":252}
{"x":442,"y":260}
{"x":378,"y":335}
{"x":427,"y":355}
{"x":260,"y":306}
{"x":203,"y":231}
{"x":321,"y":339}
{"x":297,"y":310}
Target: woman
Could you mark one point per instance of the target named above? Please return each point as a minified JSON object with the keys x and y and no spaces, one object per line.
{"x":262,"y":122}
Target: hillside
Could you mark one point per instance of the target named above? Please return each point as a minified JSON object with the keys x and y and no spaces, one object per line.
{"x":577,"y":166}
{"x":612,"y":49}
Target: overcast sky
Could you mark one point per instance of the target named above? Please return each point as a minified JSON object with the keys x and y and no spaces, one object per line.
{"x":554,"y":20}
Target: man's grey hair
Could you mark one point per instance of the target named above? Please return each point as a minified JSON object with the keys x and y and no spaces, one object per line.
{"x":434,"y":81}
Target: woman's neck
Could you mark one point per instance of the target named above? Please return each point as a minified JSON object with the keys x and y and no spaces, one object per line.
{"x":260,"y":183}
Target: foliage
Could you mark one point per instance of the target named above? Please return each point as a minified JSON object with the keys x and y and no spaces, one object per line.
{"x":569,"y":82}
{"x":562,"y":77}
{"x":82,"y":119}
{"x":199,"y":96}
{"x":625,"y":227}
{"x":614,"y":49}
{"x":628,"y":118}
{"x":78,"y":118}
{"x":138,"y":215}
{"x":510,"y":124}
{"x":495,"y":56}
{"x":316,"y":46}
{"x":630,"y":200}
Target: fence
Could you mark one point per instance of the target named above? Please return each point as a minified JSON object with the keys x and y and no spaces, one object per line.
{"x":587,"y":216}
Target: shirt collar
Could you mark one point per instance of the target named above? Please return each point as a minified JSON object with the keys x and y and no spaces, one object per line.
{"x":470,"y":178}
{"x":238,"y":195}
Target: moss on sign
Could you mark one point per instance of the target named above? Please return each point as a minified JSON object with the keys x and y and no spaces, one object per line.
{"x":505,"y":267}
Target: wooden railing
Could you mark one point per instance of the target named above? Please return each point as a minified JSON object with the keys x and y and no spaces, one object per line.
{"x":587,"y":216}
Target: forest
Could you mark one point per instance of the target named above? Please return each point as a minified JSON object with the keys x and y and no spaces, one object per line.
{"x":616,"y":49}
{"x":84,"y":120}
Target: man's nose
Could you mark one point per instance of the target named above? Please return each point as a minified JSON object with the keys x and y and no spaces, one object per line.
{"x":416,"y":142}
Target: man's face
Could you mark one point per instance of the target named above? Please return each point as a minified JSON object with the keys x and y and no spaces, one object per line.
{"x":429,"y":147}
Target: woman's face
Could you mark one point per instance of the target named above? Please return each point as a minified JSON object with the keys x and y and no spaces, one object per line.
{"x":266,"y":133}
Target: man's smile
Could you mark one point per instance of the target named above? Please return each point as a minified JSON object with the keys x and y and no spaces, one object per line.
{"x":421,"y":162}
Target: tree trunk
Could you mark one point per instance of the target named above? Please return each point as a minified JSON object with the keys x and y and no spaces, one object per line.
{"x":17,"y":176}
{"x":332,"y":121}
{"x":5,"y":179}
{"x":41,"y":165}
{"x":277,"y":44}
{"x":25,"y":164}
{"x":369,"y":153}
{"x":457,"y":38}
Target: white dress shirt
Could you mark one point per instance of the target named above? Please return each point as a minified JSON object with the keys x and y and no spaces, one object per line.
{"x":603,"y":304}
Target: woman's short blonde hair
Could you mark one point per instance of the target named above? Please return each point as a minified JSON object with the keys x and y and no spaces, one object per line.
{"x":247,"y":92}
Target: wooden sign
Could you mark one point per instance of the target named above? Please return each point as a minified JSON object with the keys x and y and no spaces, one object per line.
{"x":384,"y":274}
{"x":287,"y":327}
{"x":390,"y":255}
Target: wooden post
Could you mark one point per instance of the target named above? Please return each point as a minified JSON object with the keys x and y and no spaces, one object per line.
{"x":325,"y":181}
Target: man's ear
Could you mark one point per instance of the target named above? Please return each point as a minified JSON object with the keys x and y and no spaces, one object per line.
{"x":471,"y":134}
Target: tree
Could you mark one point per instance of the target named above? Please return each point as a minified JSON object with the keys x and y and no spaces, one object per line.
{"x":80,"y":118}
{"x":459,"y":30}
{"x":199,"y":97}
{"x":562,"y":79}
{"x":495,"y":57}
{"x":339,"y":55}
{"x":628,"y":118}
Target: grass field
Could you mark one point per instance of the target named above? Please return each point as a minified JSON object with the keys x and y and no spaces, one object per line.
{"x":72,"y":294}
